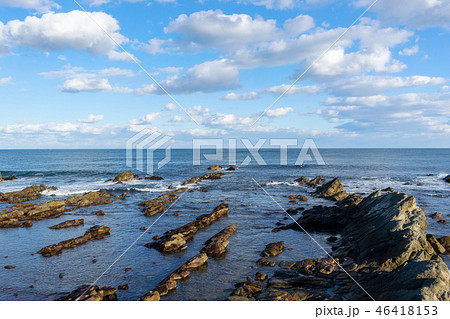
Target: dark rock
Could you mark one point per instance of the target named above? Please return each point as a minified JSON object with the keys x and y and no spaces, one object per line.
{"x":260,"y":276}
{"x":154,"y":178}
{"x":273,"y":249}
{"x":123,"y":287}
{"x":123,"y":195}
{"x":389,"y":190}
{"x":332,"y":239}
{"x":447,"y":179}
{"x":442,"y":221}
{"x":150,"y":296}
{"x":266,"y":262}
{"x":231,"y":168}
{"x":436,"y":215}
{"x":9,"y":267}
{"x":300,"y":198}
{"x":144,"y":228}
{"x":316,"y":181}
{"x":445,"y":242}
{"x":127,"y":269}
{"x":61,"y":275}
{"x":94,"y":261}
{"x":68,"y":223}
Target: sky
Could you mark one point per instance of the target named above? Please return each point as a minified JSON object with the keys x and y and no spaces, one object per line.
{"x":93,"y":73}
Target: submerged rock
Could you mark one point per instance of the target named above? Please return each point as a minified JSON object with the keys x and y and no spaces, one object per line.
{"x":94,"y":293}
{"x":21,"y":215}
{"x":124,"y":177}
{"x":3,"y":179}
{"x":436,"y":215}
{"x":154,"y":178}
{"x":68,"y":223}
{"x":95,"y":232}
{"x":301,"y":198}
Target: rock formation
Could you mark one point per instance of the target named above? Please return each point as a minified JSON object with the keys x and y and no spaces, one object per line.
{"x":332,"y":190}
{"x":95,"y":232}
{"x":68,"y":223}
{"x":24,"y":195}
{"x":124,"y":177}
{"x":90,"y":199}
{"x":94,"y":293}
{"x":176,"y":239}
{"x":21,"y":215}
{"x":217,"y":244}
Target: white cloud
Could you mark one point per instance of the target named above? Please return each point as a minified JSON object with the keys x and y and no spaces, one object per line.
{"x":78,"y":79}
{"x":279,"y":112}
{"x":228,"y":120}
{"x":177,"y":119}
{"x":210,"y":76}
{"x":417,"y":13}
{"x":272,"y":4}
{"x":198,"y":112}
{"x":170,"y":106}
{"x":62,"y":31}
{"x":157,"y":46}
{"x":372,"y":85}
{"x":406,"y":113}
{"x":4,"y":81}
{"x":92,"y":119}
{"x":151,"y":117}
{"x":170,"y":69}
{"x":38,"y":5}
{"x":298,"y":25}
{"x":83,"y":84}
{"x":409,"y":51}
{"x":241,"y":96}
{"x":295,"y":89}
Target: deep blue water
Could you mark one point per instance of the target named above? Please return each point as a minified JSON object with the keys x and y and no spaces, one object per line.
{"x":254,"y":213}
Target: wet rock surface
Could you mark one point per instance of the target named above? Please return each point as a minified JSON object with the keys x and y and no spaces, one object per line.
{"x":24,"y":195}
{"x":333,"y":190}
{"x":68,"y":223}
{"x":215,"y":168}
{"x":95,"y":232}
{"x":217,"y":244}
{"x":90,"y":199}
{"x":158,"y":205}
{"x":22,"y":215}
{"x":124,"y":177}
{"x":176,"y":239}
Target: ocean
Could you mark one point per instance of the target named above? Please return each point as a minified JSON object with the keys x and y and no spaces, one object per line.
{"x":255,"y":213}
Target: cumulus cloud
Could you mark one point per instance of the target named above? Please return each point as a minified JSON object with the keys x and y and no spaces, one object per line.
{"x":228,"y":120}
{"x":417,"y":14}
{"x":279,"y":112}
{"x":38,"y":5}
{"x":372,"y":84}
{"x":295,"y":89}
{"x":78,"y":79}
{"x":409,"y":51}
{"x":241,"y":96}
{"x":284,"y":4}
{"x":151,"y":117}
{"x":68,"y":30}
{"x":170,"y":106}
{"x":210,"y":76}
{"x":92,"y":119}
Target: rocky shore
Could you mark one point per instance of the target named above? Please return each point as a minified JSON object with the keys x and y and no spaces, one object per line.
{"x":382,"y":253}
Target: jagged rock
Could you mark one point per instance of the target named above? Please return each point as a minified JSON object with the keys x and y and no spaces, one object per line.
{"x":273,"y":249}
{"x":438,"y":248}
{"x":68,"y":223}
{"x":447,"y":179}
{"x":266,"y":262}
{"x":302,"y":180}
{"x":332,"y":190}
{"x":17,"y":214}
{"x":215,"y":168}
{"x":316,"y":181}
{"x":389,"y":190}
{"x":218,"y":243}
{"x":319,"y":266}
{"x":95,"y":232}
{"x":320,"y":218}
{"x":247,"y":288}
{"x":150,"y":296}
{"x":301,"y":198}
{"x":26,"y":194}
{"x":350,"y":201}
{"x":217,"y":175}
{"x":158,"y":205}
{"x":231,"y":169}
{"x":176,"y":239}
{"x":124,"y":177}
{"x":6,"y":178}
{"x":436,"y":215}
{"x":94,"y":293}
{"x":445,"y":242}
{"x":90,"y":199}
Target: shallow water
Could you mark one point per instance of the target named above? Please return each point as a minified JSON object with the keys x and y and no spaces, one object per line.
{"x":254,"y":213}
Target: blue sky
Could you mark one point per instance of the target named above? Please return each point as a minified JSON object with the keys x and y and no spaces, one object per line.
{"x":65,"y":81}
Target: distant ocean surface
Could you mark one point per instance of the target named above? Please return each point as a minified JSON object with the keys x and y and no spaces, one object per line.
{"x":75,"y":172}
